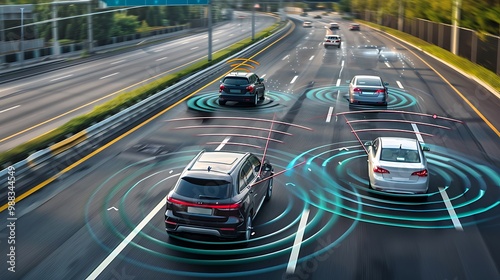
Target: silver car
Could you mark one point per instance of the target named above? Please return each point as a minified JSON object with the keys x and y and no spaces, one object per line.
{"x":367,"y":89}
{"x":397,"y":165}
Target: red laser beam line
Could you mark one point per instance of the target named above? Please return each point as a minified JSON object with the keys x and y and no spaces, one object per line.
{"x":355,"y":134}
{"x":434,"y":116}
{"x":279,"y":173}
{"x":241,"y":118}
{"x":267,"y":143}
{"x":401,"y":121}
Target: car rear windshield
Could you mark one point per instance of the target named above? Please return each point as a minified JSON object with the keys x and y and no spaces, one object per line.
{"x":369,"y":82}
{"x":399,"y":155}
{"x":203,"y":188}
{"x":235,"y":81}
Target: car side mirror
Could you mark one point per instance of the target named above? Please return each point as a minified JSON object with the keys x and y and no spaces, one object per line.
{"x":368,"y":143}
{"x":261,"y":80}
{"x":386,"y":84}
{"x":425,"y":148}
{"x":347,"y":81}
{"x":267,"y":166}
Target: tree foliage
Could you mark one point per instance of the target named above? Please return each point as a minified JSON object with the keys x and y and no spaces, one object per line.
{"x":480,"y":15}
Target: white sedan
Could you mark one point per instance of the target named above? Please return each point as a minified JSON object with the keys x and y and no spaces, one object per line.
{"x":397,"y":165}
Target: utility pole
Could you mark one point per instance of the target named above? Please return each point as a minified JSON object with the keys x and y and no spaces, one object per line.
{"x":455,"y":18}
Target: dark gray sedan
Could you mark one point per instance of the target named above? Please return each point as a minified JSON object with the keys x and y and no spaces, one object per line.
{"x":364,"y":89}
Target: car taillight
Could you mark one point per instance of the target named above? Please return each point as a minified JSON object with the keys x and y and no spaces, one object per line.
{"x":421,"y":173}
{"x":377,"y":169}
{"x":379,"y":91}
{"x":232,"y":206}
{"x":250,"y":88}
{"x":357,"y":90}
{"x":328,"y":41}
{"x":221,"y":88}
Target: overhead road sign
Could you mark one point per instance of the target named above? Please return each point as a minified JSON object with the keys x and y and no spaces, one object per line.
{"x":118,"y":3}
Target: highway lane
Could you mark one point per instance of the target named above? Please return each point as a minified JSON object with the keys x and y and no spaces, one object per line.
{"x":36,"y":104}
{"x":351,"y":232}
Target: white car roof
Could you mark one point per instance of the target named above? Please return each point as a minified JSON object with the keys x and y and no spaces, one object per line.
{"x":399,"y":142}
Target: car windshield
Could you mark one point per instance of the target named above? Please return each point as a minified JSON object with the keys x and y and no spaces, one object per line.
{"x":203,"y":188}
{"x":368,"y":82}
{"x":235,"y":81}
{"x":399,"y":155}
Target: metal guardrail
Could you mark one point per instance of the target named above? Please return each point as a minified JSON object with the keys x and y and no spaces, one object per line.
{"x":53,"y":160}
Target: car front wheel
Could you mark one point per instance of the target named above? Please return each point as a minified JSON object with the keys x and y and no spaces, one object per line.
{"x":269,"y":192}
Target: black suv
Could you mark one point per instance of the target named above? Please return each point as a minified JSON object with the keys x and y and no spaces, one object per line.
{"x":219,"y":194}
{"x":241,"y":87}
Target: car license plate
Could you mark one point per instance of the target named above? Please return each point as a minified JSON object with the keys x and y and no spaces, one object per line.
{"x":235,"y":91}
{"x":400,"y":179}
{"x":199,"y":210}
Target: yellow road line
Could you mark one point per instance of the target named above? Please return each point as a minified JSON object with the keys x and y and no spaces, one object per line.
{"x":75,"y":164}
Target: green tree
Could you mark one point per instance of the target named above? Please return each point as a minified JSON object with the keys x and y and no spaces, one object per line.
{"x":124,"y":24}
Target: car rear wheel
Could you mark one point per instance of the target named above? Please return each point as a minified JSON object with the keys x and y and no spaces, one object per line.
{"x":248,"y":228}
{"x":256,"y":100}
{"x":262,"y":97}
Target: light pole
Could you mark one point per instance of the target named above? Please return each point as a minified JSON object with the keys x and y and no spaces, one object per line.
{"x":22,"y":37}
{"x":455,"y":17}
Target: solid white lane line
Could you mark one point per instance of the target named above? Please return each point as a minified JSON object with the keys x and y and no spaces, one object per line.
{"x":59,"y":78}
{"x":126,"y":241}
{"x":311,"y":58}
{"x":329,"y":116}
{"x":292,"y":263}
{"x":285,"y":57}
{"x":194,"y":48}
{"x":419,"y":136}
{"x":222,"y":144}
{"x":451,"y":210}
{"x":387,"y":64}
{"x":338,"y":82}
{"x":400,"y":85}
{"x":111,"y":75}
{"x":293,"y":80}
{"x":8,"y":109}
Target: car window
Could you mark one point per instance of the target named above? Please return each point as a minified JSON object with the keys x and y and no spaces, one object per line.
{"x":399,"y":155}
{"x":255,"y":163}
{"x":235,"y":81}
{"x":368,"y":82}
{"x":203,"y":188}
{"x":246,"y":175}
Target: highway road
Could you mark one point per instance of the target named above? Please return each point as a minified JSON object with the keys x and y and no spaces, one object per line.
{"x":104,"y":219}
{"x":35,"y":103}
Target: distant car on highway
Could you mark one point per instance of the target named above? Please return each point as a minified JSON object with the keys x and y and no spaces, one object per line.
{"x":219,"y":194}
{"x":334,"y":25}
{"x":242,"y":87}
{"x":354,"y":26}
{"x":397,"y":165}
{"x":317,"y":16}
{"x":307,"y":24}
{"x":367,"y":89}
{"x":332,"y":40}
